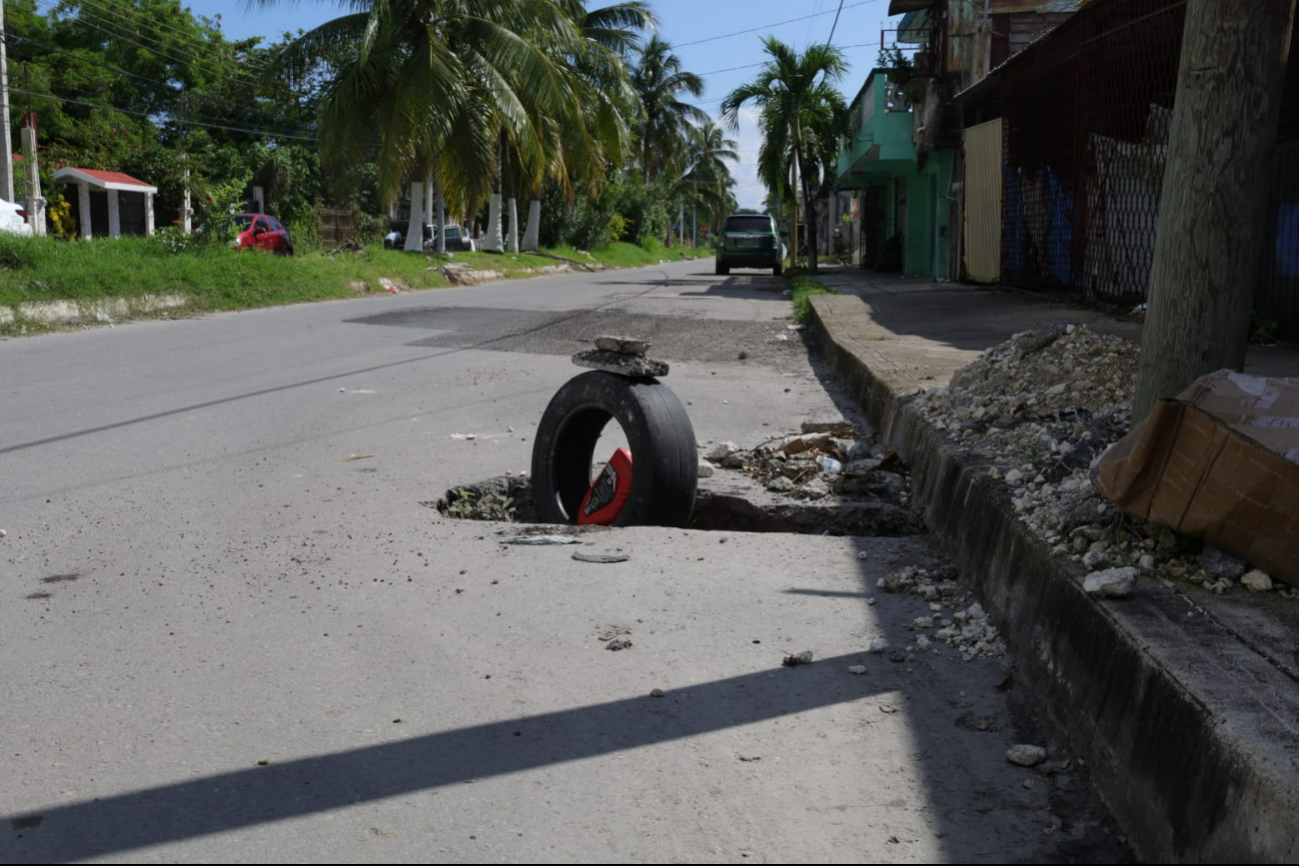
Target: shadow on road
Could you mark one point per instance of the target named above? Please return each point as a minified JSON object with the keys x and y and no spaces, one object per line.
{"x":260,"y":795}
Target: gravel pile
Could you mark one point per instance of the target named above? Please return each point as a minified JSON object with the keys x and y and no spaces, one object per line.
{"x":1042,"y":407}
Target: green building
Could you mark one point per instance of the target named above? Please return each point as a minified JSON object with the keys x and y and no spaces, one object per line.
{"x":901,"y":211}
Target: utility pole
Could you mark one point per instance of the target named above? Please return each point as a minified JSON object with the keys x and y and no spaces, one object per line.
{"x":1213,"y":207}
{"x":186,"y":212}
{"x":7,"y":176}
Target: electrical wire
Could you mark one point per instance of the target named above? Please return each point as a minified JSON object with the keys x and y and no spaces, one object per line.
{"x":178,"y":121}
{"x":10,"y":38}
{"x":769,"y":26}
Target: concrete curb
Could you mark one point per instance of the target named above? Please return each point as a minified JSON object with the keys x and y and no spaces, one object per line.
{"x":1192,"y":735}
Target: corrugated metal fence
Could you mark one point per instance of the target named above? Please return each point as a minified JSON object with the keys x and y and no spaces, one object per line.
{"x":1278,"y":287}
{"x":1087,"y":112}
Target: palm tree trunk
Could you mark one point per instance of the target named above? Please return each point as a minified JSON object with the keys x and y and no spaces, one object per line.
{"x":441,"y":211}
{"x":513,"y":245}
{"x":532,"y":237}
{"x":809,"y":210}
{"x":492,"y":243}
{"x":415,"y":228}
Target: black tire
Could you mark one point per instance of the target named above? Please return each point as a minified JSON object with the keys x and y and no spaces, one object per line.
{"x":722,"y":270}
{"x":662,"y":440}
{"x":778,"y":269}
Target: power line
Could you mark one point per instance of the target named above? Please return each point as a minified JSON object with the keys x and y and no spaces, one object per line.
{"x":113,"y":6}
{"x":119,"y":33}
{"x":265,"y":132}
{"x":769,"y":26}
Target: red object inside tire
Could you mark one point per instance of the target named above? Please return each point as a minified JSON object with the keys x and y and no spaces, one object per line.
{"x":607,"y":496}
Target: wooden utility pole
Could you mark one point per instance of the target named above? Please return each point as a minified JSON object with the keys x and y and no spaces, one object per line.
{"x":1213,"y":208}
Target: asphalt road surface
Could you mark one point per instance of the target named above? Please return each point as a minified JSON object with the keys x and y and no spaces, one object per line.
{"x":231,"y":631}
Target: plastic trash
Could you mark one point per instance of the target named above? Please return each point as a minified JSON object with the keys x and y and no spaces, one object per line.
{"x":829,"y":464}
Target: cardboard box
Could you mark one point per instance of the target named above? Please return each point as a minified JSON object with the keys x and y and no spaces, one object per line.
{"x":1220,"y":462}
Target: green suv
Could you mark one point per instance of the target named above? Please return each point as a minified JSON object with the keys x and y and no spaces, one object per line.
{"x":749,"y":240}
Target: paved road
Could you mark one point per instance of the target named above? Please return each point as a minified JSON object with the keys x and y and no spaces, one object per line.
{"x":224,"y":639}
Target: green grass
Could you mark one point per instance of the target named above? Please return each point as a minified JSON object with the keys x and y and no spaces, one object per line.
{"x":215,"y":277}
{"x":804,"y":288}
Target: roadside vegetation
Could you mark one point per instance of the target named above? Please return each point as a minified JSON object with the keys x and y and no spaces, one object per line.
{"x":212,"y":277}
{"x":804,"y":288}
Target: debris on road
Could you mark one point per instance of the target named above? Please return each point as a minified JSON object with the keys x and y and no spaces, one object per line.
{"x":600,"y":558}
{"x":803,"y":658}
{"x":620,"y":364}
{"x":461,"y":437}
{"x":656,"y":693}
{"x":1257,"y":581}
{"x":1111,"y":583}
{"x":706,"y":469}
{"x":623,"y":345}
{"x":618,"y":643}
{"x":541,"y":539}
{"x":1026,"y":756}
{"x":358,"y":457}
{"x":857,"y":670}
{"x":879,"y":645}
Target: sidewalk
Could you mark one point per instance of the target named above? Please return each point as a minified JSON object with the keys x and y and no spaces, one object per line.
{"x":1185,"y":704}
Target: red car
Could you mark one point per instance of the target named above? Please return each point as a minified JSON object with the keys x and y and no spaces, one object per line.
{"x":259,"y":231}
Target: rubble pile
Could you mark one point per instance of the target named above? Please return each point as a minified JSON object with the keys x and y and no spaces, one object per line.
{"x":818,"y":463}
{"x":1043,"y":407}
{"x":953,"y":620}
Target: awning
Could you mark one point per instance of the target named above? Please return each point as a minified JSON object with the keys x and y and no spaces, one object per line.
{"x":103,"y":179}
{"x":898,"y":7}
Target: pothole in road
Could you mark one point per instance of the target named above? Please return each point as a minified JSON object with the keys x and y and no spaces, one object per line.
{"x":728,"y":501}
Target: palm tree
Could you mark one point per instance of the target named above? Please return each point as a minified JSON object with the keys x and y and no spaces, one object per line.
{"x":708,"y":184}
{"x":445,"y":89}
{"x":665,"y":125}
{"x":582,"y":152}
{"x":800,"y":117}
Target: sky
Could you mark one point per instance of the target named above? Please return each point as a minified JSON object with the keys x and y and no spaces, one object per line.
{"x":680,"y":22}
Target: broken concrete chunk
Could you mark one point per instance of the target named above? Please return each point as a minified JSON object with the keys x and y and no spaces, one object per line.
{"x":858,"y":670}
{"x":623,"y":345}
{"x":879,"y":645}
{"x":1257,"y":581}
{"x":806,"y":442}
{"x":1219,"y":564}
{"x":803,"y":658}
{"x":618,"y":643}
{"x":706,"y":469}
{"x":722,"y":450}
{"x":1112,"y":582}
{"x":621,"y":365}
{"x":827,"y":424}
{"x":1026,"y":756}
{"x":781,"y":485}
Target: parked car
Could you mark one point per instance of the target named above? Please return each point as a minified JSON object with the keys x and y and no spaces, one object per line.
{"x":13,"y":219}
{"x":457,"y":240}
{"x":255,"y":231}
{"x":749,"y":241}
